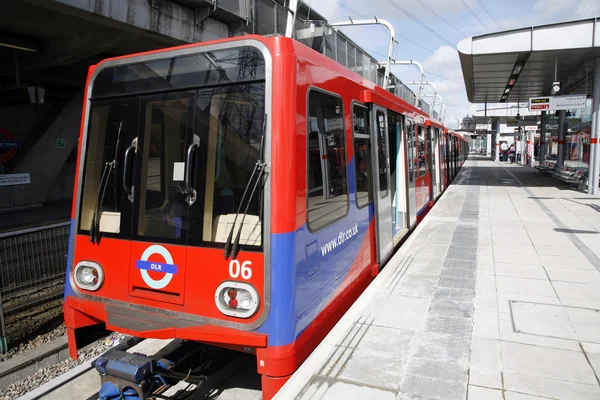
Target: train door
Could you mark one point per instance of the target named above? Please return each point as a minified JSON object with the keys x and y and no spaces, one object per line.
{"x":436,"y":180}
{"x":423,"y":180}
{"x":397,"y":146}
{"x":160,"y":203}
{"x":429,"y":158}
{"x":446,"y":163}
{"x":454,"y":157}
{"x":413,"y":170}
{"x":381,"y":181}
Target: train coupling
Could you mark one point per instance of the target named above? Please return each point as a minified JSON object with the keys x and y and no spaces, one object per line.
{"x":130,"y":376}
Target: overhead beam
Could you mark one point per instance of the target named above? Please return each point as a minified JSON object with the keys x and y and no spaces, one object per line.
{"x":162,"y":20}
{"x":71,"y":49}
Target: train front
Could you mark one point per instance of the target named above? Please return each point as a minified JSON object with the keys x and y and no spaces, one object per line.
{"x":169,"y":230}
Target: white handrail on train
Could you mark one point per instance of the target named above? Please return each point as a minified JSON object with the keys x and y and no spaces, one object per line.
{"x":291,"y":18}
{"x":418,"y":65}
{"x":389,"y":27}
{"x":428,"y":84}
{"x":444,"y":117}
{"x":435,"y":95}
{"x":441,"y":105}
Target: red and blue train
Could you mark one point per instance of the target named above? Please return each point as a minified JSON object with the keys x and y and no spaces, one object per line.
{"x":242,"y":193}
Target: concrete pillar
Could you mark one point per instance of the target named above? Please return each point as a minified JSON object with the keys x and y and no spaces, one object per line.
{"x":560,"y":157}
{"x":488,"y":147}
{"x":594,"y":168}
{"x":542,"y":152}
{"x":496,"y":128}
{"x":523,"y":142}
{"x":531,"y":148}
{"x":497,"y":146}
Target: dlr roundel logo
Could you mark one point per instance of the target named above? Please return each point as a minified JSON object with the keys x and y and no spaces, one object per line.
{"x":167,"y":267}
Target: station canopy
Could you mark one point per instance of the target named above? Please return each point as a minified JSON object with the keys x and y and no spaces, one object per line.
{"x":515,"y":65}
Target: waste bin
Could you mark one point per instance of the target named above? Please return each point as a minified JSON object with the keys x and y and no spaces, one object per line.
{"x":519,"y":157}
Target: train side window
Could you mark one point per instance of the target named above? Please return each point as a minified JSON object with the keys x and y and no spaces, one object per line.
{"x":327,"y":189}
{"x":362,"y":156}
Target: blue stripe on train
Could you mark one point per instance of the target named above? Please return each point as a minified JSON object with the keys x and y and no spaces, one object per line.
{"x":68,"y":289}
{"x":307,"y":268}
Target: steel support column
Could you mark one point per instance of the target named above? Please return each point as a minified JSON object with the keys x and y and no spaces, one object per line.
{"x":542,"y":151}
{"x":560,"y":157}
{"x":488,"y":147}
{"x":497,"y":138}
{"x":523,"y":141}
{"x":594,"y":169}
{"x":531,"y":148}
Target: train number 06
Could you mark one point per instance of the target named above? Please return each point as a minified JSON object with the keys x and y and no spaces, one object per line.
{"x":235,"y":269}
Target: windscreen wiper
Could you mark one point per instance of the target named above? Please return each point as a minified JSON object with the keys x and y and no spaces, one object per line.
{"x":259,"y":167}
{"x":109,"y":167}
{"x":116,"y":166}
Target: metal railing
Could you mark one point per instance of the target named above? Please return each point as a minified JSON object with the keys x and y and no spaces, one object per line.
{"x":32,"y":271}
{"x":331,"y":42}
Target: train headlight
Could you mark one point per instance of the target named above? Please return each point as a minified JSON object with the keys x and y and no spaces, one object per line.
{"x":89,"y":275}
{"x":237,"y":299}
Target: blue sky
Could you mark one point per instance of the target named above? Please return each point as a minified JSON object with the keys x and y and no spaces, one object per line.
{"x":454,"y":21}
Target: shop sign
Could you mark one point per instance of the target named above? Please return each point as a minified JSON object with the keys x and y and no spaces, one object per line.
{"x":15,"y":179}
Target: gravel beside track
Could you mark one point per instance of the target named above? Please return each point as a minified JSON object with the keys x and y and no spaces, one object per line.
{"x":25,"y":326}
{"x":44,"y":375}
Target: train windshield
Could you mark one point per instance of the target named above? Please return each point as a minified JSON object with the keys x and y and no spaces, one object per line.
{"x":171,"y":147}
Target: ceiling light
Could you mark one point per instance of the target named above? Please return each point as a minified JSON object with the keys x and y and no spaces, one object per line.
{"x":518,"y":69}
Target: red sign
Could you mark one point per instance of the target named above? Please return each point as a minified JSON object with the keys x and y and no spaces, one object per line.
{"x":8,"y":145}
{"x":540,"y":106}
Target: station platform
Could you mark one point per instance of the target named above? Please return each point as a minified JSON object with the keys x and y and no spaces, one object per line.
{"x":496,"y":295}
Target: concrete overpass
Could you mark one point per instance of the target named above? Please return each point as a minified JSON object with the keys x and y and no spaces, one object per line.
{"x":46,"y":47}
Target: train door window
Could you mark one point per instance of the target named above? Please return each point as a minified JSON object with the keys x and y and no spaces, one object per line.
{"x":410,"y":152}
{"x":428,"y":149}
{"x":160,"y":197}
{"x":397,"y":172}
{"x":362,"y":156}
{"x":327,"y":183}
{"x":393,"y":147}
{"x":422,"y":151}
{"x":184,"y":130}
{"x":382,"y":153}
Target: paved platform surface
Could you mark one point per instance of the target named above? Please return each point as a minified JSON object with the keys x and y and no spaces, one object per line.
{"x":496,"y":295}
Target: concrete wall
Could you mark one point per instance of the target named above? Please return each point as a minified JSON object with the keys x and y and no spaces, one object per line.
{"x":45,"y":159}
{"x":172,"y":21}
{"x":20,"y":120}
{"x":62,"y":190}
